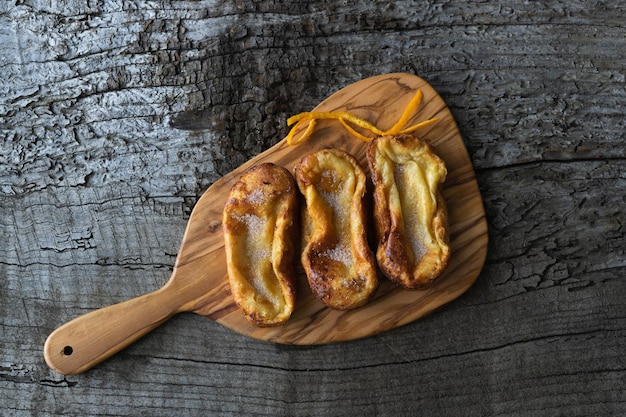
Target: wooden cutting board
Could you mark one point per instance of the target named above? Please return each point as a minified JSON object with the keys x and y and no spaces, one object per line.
{"x":199,"y":284}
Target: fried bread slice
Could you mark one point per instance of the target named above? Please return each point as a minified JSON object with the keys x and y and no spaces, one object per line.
{"x":340,"y":267}
{"x":410,"y":214}
{"x":260,"y":222}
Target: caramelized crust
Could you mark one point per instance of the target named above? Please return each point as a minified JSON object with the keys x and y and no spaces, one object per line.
{"x":410,"y":215}
{"x":259,"y":223}
{"x":339,"y":265}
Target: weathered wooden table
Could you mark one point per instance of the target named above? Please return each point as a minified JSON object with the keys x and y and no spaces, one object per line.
{"x":116,"y":116}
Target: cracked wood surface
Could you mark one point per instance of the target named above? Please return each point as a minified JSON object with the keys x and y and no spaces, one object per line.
{"x":116,"y":116}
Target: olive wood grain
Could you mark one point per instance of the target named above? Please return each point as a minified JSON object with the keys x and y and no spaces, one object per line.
{"x":198,"y":283}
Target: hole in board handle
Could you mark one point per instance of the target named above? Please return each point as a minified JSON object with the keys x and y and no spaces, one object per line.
{"x":67,"y":350}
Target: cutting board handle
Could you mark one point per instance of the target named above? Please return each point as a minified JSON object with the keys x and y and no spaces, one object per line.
{"x":89,"y":339}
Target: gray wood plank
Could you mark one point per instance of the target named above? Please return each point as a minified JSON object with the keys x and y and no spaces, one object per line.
{"x":116,"y":116}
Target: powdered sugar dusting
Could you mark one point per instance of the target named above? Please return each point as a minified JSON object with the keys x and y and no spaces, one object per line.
{"x":258,"y":254}
{"x":332,"y":200}
{"x":411,"y":210}
{"x":255,"y":197}
{"x":254,"y":223}
{"x":340,"y":253}
{"x":330,"y":175}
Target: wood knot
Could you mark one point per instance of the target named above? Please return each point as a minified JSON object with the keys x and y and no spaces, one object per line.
{"x":215,"y":226}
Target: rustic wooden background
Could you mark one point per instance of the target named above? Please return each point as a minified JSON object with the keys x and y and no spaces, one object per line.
{"x":115,"y":116}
